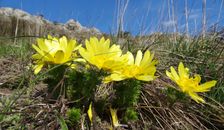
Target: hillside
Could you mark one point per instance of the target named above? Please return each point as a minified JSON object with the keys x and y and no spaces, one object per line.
{"x":15,"y":22}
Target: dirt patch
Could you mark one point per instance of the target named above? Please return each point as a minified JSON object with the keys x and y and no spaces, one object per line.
{"x":11,"y":70}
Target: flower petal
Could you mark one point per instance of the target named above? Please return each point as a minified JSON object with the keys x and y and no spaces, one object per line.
{"x":197,"y":78}
{"x":89,"y":48}
{"x":114,"y":117}
{"x":63,"y":43}
{"x":130,"y":58}
{"x":182,"y":71}
{"x":145,"y":77}
{"x":37,"y":56}
{"x":38,"y":49}
{"x":87,"y":56}
{"x":38,"y":67}
{"x":69,"y":49}
{"x":90,"y":113}
{"x":196,"y":98}
{"x":42,"y":44}
{"x":79,"y":60}
{"x":59,"y":57}
{"x":113,"y":77}
{"x":138,"y":58}
{"x":146,"y":59}
{"x":107,"y":43}
{"x":168,"y":74}
{"x":49,"y":37}
{"x":102,"y":40}
{"x":174,"y":73}
{"x":206,"y":86}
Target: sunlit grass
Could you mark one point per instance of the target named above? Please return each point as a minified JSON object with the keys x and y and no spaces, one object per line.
{"x":19,"y":49}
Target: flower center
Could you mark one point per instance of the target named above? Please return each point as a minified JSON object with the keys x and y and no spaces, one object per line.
{"x":187,"y":84}
{"x":131,"y":71}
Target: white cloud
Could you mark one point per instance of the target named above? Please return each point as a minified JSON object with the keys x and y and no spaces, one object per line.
{"x":194,"y":16}
{"x":168,"y":23}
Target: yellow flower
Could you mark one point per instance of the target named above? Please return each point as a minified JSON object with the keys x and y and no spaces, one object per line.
{"x":189,"y":84}
{"x":142,"y":68}
{"x":55,"y":51}
{"x":90,"y":113}
{"x":113,"y":113}
{"x":100,"y":54}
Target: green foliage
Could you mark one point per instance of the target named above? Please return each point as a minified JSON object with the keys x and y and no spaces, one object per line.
{"x":74,"y":115}
{"x":9,"y":120}
{"x":130,"y":115}
{"x":55,"y":80}
{"x":127,"y":93}
{"x":82,"y":85}
{"x":100,"y":106}
{"x":175,"y":95}
{"x":62,"y":122}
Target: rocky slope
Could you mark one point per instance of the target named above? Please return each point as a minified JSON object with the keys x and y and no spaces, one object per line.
{"x":15,"y":22}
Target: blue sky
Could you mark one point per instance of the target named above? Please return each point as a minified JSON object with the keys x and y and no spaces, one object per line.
{"x":142,"y":16}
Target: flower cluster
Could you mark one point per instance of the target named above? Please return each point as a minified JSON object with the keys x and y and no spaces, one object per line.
{"x":121,"y":66}
{"x":117,"y":65}
{"x":110,"y":58}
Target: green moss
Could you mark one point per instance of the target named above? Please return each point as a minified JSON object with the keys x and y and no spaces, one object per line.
{"x":74,"y":115}
{"x":130,"y":115}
